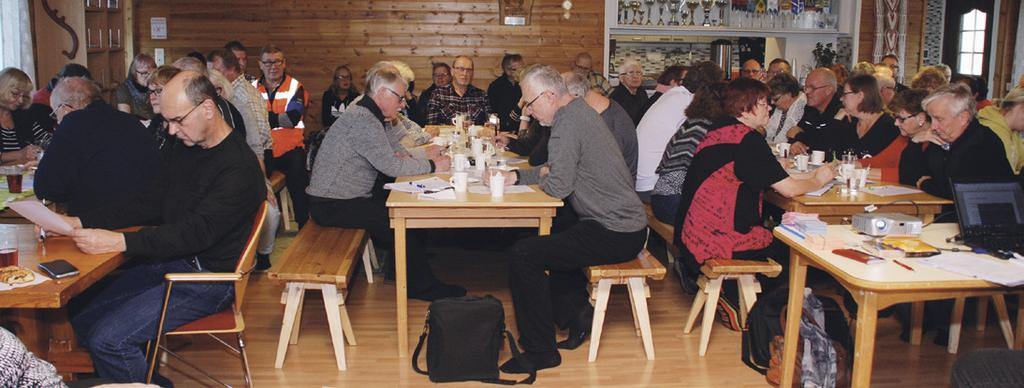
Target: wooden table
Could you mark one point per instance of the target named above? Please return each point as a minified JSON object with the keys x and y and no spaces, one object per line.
{"x":526,"y":210}
{"x":876,"y":287}
{"x":40,"y":311}
{"x":833,"y":207}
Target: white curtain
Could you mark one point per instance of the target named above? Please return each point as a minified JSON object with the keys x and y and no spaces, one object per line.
{"x":16,"y":36}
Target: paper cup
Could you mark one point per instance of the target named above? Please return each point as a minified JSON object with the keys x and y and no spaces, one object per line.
{"x":818,"y":157}
{"x":460,"y":181}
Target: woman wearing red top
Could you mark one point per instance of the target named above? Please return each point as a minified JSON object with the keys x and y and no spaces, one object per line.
{"x":914,"y":125}
{"x":720,"y":208}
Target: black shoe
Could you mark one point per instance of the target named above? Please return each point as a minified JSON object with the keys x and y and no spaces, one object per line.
{"x":579,"y":330}
{"x":686,"y":281}
{"x":437,"y":291}
{"x":538,"y":361}
{"x":262,"y":262}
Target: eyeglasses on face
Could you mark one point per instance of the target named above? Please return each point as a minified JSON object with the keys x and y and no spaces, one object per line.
{"x":633,"y":73}
{"x":751,"y":71}
{"x":527,"y":106}
{"x":581,"y":68}
{"x":400,"y":97}
{"x":20,"y":94}
{"x":180,"y":120}
{"x":343,"y":77}
{"x":153,"y":91}
{"x":272,"y":63}
{"x":899,"y":118}
{"x":811,"y":88}
{"x":442,"y":75}
{"x":53,"y":113}
{"x":462,"y":69}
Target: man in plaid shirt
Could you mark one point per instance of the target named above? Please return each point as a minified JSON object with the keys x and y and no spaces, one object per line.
{"x":459,"y":97}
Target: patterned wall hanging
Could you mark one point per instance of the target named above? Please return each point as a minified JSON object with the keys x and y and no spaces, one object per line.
{"x":891,"y":31}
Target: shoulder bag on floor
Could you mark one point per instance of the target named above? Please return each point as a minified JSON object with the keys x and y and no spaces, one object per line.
{"x":464,"y":337}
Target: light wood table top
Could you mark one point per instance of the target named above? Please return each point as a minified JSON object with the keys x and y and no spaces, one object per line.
{"x":833,"y":206}
{"x":876,"y":287}
{"x":510,"y":200}
{"x":55,"y":293}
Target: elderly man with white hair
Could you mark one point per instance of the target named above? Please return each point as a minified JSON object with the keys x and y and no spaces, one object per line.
{"x":349,"y":163}
{"x":585,"y":168}
{"x":98,"y":155}
{"x":611,"y":112}
{"x":966,"y":147}
{"x":629,"y":93}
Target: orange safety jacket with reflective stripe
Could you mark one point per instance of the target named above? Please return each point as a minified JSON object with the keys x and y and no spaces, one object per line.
{"x":290,"y":97}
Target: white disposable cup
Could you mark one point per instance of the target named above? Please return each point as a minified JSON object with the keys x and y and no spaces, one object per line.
{"x":460,"y":181}
{"x":817,"y":157}
{"x":862,"y":177}
{"x":460,"y":162}
{"x":801,"y":162}
{"x":497,"y":183}
{"x":481,"y":161}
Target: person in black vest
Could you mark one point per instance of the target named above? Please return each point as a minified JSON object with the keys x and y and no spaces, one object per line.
{"x":504,"y":93}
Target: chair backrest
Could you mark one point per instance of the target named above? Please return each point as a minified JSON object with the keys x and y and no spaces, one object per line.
{"x":248,"y":256}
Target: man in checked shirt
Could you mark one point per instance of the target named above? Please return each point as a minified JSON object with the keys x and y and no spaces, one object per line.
{"x":459,"y":97}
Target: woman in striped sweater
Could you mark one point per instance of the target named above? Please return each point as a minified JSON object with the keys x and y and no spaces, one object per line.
{"x":23,"y":131}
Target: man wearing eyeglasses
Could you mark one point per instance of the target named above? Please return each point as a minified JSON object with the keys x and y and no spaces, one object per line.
{"x":630,"y":93}
{"x":442,"y":76}
{"x":200,"y":211}
{"x":459,"y":98}
{"x":350,"y":162}
{"x":584,"y":66}
{"x":819,"y":114}
{"x":752,"y":69}
{"x":286,"y":100}
{"x":98,"y":155}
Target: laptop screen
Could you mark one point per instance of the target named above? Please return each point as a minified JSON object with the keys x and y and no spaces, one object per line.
{"x":992,"y":203}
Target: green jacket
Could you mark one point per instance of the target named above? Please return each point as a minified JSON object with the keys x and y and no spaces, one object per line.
{"x":991,"y":117}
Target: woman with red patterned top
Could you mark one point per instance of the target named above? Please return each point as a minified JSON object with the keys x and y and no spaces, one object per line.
{"x":721,"y":215}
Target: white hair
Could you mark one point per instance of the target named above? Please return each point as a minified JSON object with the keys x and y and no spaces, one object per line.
{"x":384,"y":77}
{"x":78,"y":92}
{"x":629,"y":64}
{"x":959,"y":97}
{"x":544,"y":78}
{"x":885,"y":80}
{"x":220,"y":81}
{"x":190,"y":64}
{"x":577,"y":86}
{"x":403,"y":69}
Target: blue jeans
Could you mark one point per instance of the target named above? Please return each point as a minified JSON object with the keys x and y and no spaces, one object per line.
{"x":118,"y":322}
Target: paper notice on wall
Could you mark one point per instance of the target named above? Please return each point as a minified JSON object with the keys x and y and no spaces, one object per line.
{"x":158,"y":28}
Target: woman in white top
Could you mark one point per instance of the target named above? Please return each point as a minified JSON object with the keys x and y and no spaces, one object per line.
{"x":789,"y":102}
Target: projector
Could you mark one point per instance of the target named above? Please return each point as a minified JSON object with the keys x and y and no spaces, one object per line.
{"x":883,"y":224}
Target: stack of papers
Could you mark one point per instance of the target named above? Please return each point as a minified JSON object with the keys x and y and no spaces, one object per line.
{"x":429,"y":184}
{"x":804,"y":223}
{"x":821,"y":191}
{"x":1007,"y":273}
{"x":508,"y":189}
{"x":886,"y":191}
{"x":447,"y":194}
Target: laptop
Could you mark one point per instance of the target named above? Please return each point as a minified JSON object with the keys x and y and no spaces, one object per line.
{"x":990,"y":212}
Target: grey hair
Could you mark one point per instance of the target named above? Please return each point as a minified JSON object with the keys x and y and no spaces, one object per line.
{"x":404,"y":69}
{"x":885,"y":80}
{"x":385,"y":76}
{"x":191,"y":64}
{"x":544,"y":78}
{"x":373,"y":70}
{"x":960,"y":98}
{"x":829,"y":75}
{"x":77,"y":92}
{"x":198,"y":87}
{"x":219,"y":80}
{"x":630,"y":63}
{"x":576,"y":85}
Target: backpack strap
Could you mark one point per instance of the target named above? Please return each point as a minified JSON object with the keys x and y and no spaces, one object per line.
{"x":522,"y":361}
{"x":747,"y":357}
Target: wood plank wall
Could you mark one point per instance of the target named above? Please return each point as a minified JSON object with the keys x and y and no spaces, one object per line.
{"x":318,"y":35}
{"x":915,"y":39}
{"x":1005,"y":42}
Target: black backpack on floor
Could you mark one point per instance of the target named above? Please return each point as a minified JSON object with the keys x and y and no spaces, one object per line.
{"x":464,"y":337}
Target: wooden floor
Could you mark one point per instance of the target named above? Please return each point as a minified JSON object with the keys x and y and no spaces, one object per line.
{"x":621,"y":362}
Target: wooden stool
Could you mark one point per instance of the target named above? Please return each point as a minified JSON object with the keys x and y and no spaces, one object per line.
{"x":277,"y":183}
{"x":715,"y":271}
{"x":633,"y":274}
{"x":320,"y":258}
{"x":663,"y":230}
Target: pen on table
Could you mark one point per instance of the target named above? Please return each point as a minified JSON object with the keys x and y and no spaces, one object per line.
{"x":902,"y":265}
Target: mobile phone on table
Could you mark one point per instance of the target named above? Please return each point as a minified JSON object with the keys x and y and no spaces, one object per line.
{"x":58,"y":269}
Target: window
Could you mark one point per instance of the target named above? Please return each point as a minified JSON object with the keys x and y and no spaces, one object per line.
{"x":972,"y":43}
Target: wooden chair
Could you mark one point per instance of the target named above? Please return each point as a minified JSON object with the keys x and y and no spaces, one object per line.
{"x":663,"y":230}
{"x":633,"y":274}
{"x":227,"y":321}
{"x":277,"y":183}
{"x":714,"y":272}
{"x":320,"y":258}
{"x":956,"y":320}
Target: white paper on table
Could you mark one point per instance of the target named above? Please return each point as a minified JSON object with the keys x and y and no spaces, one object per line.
{"x":38,"y":279}
{"x":516,"y":189}
{"x":821,"y":191}
{"x":991,"y":269}
{"x":444,"y":195}
{"x":888,"y":191}
{"x":432,"y":183}
{"x":37,"y":213}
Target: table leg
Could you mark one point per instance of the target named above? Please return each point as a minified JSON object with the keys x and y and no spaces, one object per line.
{"x":545,"y":226}
{"x":927,"y":218}
{"x":916,"y":320}
{"x":864,"y":344}
{"x":954,"y":325}
{"x":797,"y":278}
{"x":401,"y":297}
{"x":1018,"y":339}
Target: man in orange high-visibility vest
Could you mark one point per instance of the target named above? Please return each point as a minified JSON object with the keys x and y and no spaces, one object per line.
{"x":286,"y":107}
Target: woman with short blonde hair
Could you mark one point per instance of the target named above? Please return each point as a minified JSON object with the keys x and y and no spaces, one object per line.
{"x":23,"y":131}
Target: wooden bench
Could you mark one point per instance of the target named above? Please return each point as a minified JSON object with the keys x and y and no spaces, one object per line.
{"x":633,"y":274}
{"x":320,"y":258}
{"x":665,"y":231}
{"x":713,"y":273}
{"x":277,"y":183}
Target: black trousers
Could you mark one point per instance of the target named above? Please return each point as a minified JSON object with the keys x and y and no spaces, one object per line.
{"x":539,"y":299}
{"x":293,"y":165}
{"x":372,"y":214}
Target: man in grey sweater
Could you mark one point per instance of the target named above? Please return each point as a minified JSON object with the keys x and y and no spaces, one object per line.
{"x":585,"y":167}
{"x":358,"y":148}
